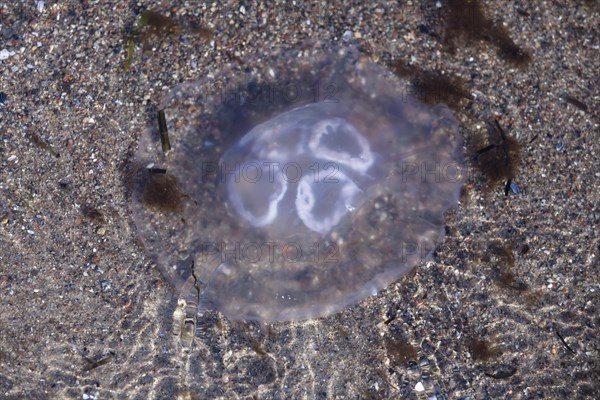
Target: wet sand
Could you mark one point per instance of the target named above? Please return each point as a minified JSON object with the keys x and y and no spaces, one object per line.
{"x":506,"y":308}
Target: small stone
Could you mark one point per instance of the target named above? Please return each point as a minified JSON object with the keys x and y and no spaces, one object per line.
{"x":3,"y":97}
{"x":101,"y":231}
{"x":8,"y":33}
{"x":4,"y":54}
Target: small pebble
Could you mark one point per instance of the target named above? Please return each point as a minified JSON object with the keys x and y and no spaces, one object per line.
{"x":8,"y":33}
{"x":4,"y":54}
{"x":514,"y":187}
{"x":3,"y":97}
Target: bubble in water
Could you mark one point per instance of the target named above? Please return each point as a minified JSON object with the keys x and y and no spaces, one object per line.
{"x":298,"y":183}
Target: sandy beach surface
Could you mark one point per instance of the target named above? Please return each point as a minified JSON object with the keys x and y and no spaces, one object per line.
{"x":507,"y":307}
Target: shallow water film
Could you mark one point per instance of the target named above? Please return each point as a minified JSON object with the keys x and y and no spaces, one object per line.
{"x":296,"y":183}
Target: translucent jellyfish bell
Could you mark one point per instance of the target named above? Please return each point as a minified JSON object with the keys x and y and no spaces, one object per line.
{"x":297,"y":184}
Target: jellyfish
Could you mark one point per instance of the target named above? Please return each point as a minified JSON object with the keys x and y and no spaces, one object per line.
{"x":302,"y":181}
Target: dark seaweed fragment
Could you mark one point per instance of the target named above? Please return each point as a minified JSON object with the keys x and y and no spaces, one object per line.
{"x":466,"y":21}
{"x":161,"y":192}
{"x":432,"y":87}
{"x":497,"y":161}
